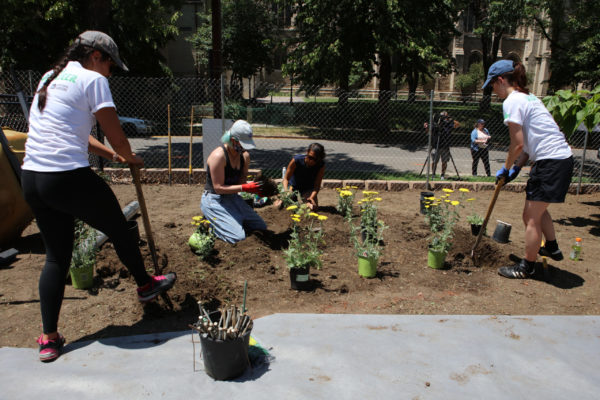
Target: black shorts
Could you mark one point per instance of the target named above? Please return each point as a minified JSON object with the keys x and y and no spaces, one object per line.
{"x":549,"y":180}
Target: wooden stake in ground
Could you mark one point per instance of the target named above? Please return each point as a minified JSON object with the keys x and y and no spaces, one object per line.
{"x":191,"y":139}
{"x":487,"y":215}
{"x":169,"y":142}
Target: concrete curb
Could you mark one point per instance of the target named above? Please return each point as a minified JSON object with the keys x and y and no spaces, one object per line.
{"x":198,"y":176}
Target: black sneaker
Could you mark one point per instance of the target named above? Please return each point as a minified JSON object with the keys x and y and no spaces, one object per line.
{"x":517,"y":271}
{"x":156,"y":286}
{"x":556,"y":255}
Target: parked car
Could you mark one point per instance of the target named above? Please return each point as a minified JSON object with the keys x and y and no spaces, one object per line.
{"x":136,"y":126}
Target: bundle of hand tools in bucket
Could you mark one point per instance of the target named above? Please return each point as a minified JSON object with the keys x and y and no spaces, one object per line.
{"x":232,"y":323}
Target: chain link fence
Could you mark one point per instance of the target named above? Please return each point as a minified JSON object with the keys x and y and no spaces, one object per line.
{"x":367,"y":134}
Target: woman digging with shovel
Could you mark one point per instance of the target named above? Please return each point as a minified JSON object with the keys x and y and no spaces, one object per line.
{"x":534,"y":136}
{"x":58,"y":182}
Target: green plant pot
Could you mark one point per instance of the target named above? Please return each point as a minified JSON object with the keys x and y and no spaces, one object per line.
{"x":82,"y":277}
{"x":435,"y":259}
{"x":367,"y":267}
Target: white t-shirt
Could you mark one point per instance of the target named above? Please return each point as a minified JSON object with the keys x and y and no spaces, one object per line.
{"x":58,"y":137}
{"x":542,"y":136}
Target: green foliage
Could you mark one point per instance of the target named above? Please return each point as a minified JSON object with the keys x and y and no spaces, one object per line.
{"x":35,"y":33}
{"x":572,"y":108}
{"x":471,"y":81}
{"x":346,"y":201}
{"x":287,"y":196}
{"x":370,"y":229}
{"x":84,"y":246}
{"x":306,"y":238}
{"x":202,"y":241}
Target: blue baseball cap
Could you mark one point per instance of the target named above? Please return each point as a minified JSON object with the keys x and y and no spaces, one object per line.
{"x":498,"y":68}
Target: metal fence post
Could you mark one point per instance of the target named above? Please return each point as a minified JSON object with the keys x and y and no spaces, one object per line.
{"x":428,"y":161}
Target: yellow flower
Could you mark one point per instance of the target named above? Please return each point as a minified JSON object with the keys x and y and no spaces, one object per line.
{"x":426,"y":206}
{"x":295,"y":219}
{"x":378,"y":198}
{"x":197,"y":218}
{"x":295,"y":216}
{"x":448,"y":190}
{"x":465,"y":190}
{"x":322,"y":218}
{"x":290,"y":208}
{"x":447,"y":201}
{"x":430,"y":198}
{"x":369,"y":192}
{"x":345,"y":193}
{"x":471,"y":199}
{"x":313,"y":214}
{"x":455,"y":202}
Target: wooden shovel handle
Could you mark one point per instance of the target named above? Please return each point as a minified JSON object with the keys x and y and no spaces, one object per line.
{"x":487,"y":215}
{"x":135,"y":174}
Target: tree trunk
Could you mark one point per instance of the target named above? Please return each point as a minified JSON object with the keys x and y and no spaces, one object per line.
{"x":385,"y":80}
{"x":216,"y":57}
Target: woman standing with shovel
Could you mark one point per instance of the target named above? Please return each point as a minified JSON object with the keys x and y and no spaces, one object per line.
{"x":58,"y":182}
{"x":534,"y":136}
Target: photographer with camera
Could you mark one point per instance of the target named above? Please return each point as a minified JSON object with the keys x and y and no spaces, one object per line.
{"x":440,"y":138}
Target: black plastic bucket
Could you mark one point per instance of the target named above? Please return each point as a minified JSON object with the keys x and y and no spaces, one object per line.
{"x":502,"y":232}
{"x":422,"y":200}
{"x":224,"y":359}
{"x":300,"y":278}
{"x":134,"y":231}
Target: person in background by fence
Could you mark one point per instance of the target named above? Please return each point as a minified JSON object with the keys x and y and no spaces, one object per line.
{"x":480,"y":138}
{"x":226,"y":171}
{"x":59,"y":184}
{"x":534,"y":136}
{"x":440,"y":141}
{"x":305,"y":173}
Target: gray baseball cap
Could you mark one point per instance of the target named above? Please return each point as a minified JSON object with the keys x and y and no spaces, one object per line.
{"x":101,"y":41}
{"x":242,"y":132}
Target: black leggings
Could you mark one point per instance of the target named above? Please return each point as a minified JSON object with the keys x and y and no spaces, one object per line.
{"x":484,"y":154}
{"x":56,"y":199}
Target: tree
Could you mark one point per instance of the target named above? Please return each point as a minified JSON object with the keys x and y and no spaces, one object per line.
{"x":334,"y":40}
{"x":493,"y":19}
{"x":574,"y":34}
{"x":249,"y":37}
{"x":36,"y":32}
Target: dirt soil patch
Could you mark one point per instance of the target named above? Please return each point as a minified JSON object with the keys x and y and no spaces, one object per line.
{"x":404,"y":284}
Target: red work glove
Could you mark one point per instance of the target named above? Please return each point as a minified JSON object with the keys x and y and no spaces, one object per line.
{"x":252,"y":187}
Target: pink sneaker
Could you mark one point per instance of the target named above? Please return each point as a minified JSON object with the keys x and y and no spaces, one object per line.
{"x":156,"y":286}
{"x":50,"y":349}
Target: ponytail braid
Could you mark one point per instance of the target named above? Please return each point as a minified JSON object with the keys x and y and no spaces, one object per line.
{"x":76,"y":52}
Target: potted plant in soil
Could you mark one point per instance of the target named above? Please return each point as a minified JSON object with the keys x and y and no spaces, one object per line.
{"x":84,"y":256}
{"x":304,"y":250}
{"x":345,"y":201}
{"x":368,"y":247}
{"x":202,"y":241}
{"x":442,"y":215}
{"x":476,"y":221}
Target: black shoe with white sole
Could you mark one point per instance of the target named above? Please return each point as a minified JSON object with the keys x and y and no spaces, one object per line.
{"x":517,"y":271}
{"x":556,"y":255}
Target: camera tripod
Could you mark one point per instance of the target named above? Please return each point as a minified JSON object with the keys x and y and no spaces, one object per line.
{"x":437,"y":148}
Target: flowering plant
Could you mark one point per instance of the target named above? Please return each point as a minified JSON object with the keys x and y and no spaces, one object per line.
{"x":442,"y":214}
{"x":202,"y":240}
{"x":306,"y":237}
{"x":371,"y":228}
{"x":345,"y":201}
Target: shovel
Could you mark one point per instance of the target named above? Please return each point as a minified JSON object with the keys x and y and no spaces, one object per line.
{"x":487,"y":215}
{"x":135,"y":174}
